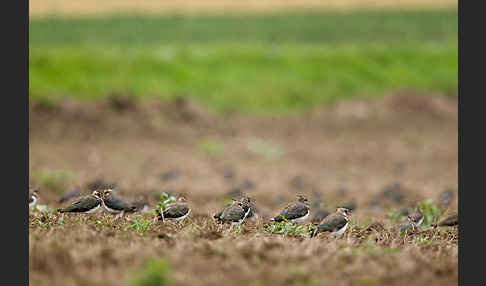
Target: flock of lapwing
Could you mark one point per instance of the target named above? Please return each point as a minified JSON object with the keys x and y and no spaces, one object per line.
{"x":234,"y":213}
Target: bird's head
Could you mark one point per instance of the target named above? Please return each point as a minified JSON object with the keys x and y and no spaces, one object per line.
{"x":182,"y":199}
{"x":343,"y":211}
{"x":97,"y":194}
{"x":303,"y":199}
{"x":107,"y":193}
{"x":247,"y":200}
{"x":35,"y":193}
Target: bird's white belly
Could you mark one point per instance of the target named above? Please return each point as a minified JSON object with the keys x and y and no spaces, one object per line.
{"x":183,"y":217}
{"x":341,"y":231}
{"x":301,"y":219}
{"x":33,"y":202}
{"x":93,"y":209}
{"x":420,"y":221}
{"x":246,"y":214}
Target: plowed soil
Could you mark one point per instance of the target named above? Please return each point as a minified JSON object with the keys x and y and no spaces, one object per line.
{"x":340,"y":153}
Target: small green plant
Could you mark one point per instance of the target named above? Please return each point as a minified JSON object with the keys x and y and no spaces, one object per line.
{"x":431,"y":212}
{"x":165,"y":200}
{"x":155,"y":273}
{"x":140,"y":224}
{"x":103,"y":221}
{"x":423,"y":239}
{"x":209,"y":147}
{"x":43,"y":209}
{"x":44,"y":219}
{"x":289,"y":229}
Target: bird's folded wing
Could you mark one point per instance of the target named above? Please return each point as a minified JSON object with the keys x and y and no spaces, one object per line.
{"x":118,"y":204}
{"x":333,"y":222}
{"x":294,"y":211}
{"x":233,"y":213}
{"x":84,"y":204}
{"x":176,"y":211}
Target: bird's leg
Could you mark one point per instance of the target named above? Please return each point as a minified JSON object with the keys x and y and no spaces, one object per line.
{"x":414,"y":226}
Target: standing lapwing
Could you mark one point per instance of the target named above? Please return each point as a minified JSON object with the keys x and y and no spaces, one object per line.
{"x":406,"y":225}
{"x":33,"y":198}
{"x":87,"y":204}
{"x":116,"y":205}
{"x":247,"y":203}
{"x":335,"y":223}
{"x":176,"y":211}
{"x":295,"y":212}
{"x":235,"y":213}
{"x":417,"y":217}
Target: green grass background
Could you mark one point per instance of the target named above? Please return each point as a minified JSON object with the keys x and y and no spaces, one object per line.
{"x":252,"y":63}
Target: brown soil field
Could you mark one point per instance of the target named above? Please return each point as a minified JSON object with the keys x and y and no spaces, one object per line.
{"x":39,"y":8}
{"x":339,"y":153}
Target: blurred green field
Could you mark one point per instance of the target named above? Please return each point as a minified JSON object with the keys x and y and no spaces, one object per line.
{"x":253,"y":63}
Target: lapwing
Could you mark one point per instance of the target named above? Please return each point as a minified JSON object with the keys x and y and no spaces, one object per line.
{"x":88,"y":204}
{"x":115,"y":204}
{"x":295,"y":212}
{"x":450,"y":220}
{"x":33,"y":198}
{"x":246,"y":202}
{"x":406,"y":225}
{"x":416,"y":217}
{"x":335,"y":223}
{"x":235,"y":213}
{"x":176,"y":211}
